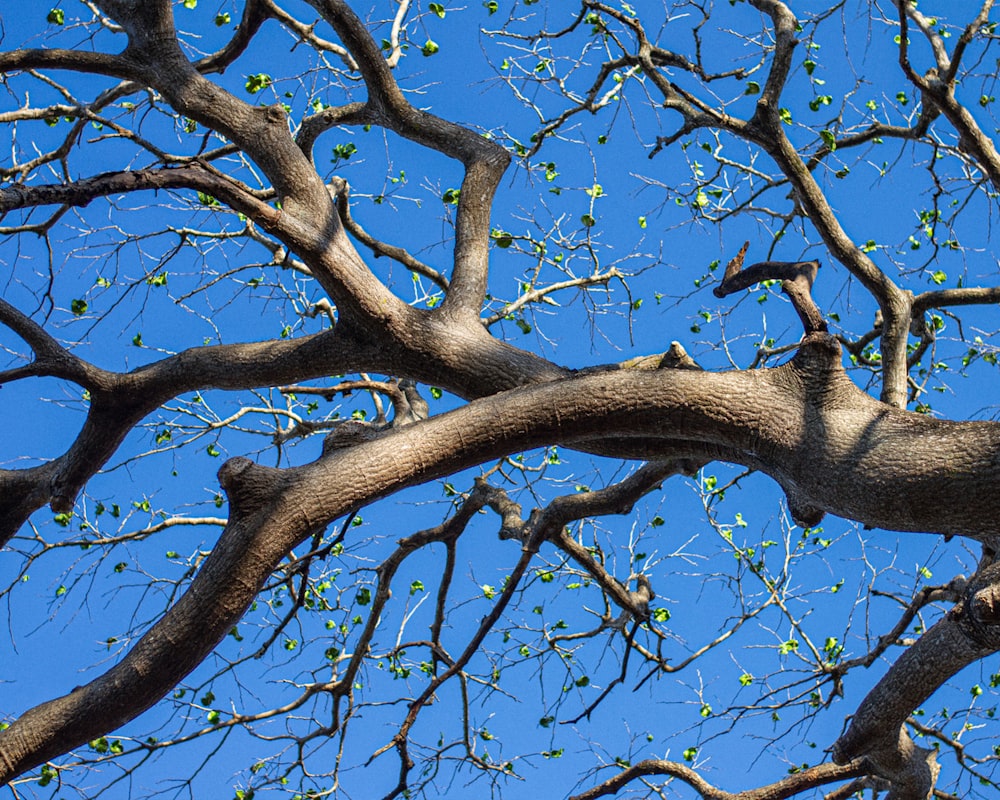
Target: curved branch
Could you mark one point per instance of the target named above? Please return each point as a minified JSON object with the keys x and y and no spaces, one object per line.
{"x":942,"y":298}
{"x":796,"y":278}
{"x":255,"y":13}
{"x":802,"y":781}
{"x":830,"y":446}
{"x":342,"y":190}
{"x":968,"y":633}
{"x":484,"y":161}
{"x":51,"y":358}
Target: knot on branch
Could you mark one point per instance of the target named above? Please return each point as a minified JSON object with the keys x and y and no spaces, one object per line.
{"x":979,"y":612}
{"x":796,"y":278}
{"x":677,"y":358}
{"x":641,"y":597}
{"x":248,"y":486}
{"x":275,"y":114}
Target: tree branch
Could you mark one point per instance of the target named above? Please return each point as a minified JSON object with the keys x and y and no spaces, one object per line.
{"x":827,"y":443}
{"x":803,"y":781}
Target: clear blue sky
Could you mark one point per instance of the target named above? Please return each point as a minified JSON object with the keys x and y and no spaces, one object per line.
{"x":62,"y":612}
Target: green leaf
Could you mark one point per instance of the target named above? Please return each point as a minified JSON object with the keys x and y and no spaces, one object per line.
{"x":492,"y":6}
{"x":47,"y":775}
{"x":78,"y":307}
{"x":257,"y":82}
{"x":817,"y":102}
{"x":661,"y":615}
{"x":690,"y":753}
{"x":752,"y":88}
{"x":222,"y":18}
{"x":190,"y":3}
{"x":588,"y":221}
{"x":939,"y":277}
{"x":342,"y":152}
{"x":430,"y":48}
{"x":829,"y":139}
{"x":437,"y":9}
{"x":56,"y":17}
{"x":746,"y":679}
{"x":213,"y":451}
{"x":502,"y":239}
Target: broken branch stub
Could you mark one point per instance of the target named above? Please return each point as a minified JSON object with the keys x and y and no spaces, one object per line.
{"x":796,"y":278}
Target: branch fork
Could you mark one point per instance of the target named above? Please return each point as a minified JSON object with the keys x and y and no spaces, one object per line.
{"x":796,"y":278}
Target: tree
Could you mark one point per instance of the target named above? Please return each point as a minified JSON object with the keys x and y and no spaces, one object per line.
{"x":187,"y":193}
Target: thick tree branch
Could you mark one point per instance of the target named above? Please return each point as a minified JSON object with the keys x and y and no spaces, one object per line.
{"x":968,"y":633}
{"x":828,"y":444}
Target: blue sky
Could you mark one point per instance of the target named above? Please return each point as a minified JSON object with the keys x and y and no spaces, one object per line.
{"x":63,"y":608}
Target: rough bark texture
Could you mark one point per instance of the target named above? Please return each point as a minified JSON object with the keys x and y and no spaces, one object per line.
{"x":831,"y":447}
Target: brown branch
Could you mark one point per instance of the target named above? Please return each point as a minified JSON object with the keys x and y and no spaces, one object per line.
{"x":823,"y":465}
{"x":342,"y":192}
{"x":120,"y":400}
{"x":74,"y":60}
{"x":803,"y":781}
{"x":940,"y":89}
{"x":785,"y":41}
{"x":194,"y":175}
{"x":255,"y":13}
{"x":484,"y":161}
{"x":942,"y":298}
{"x":968,"y":633}
{"x":796,"y":278}
{"x":51,"y":358}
